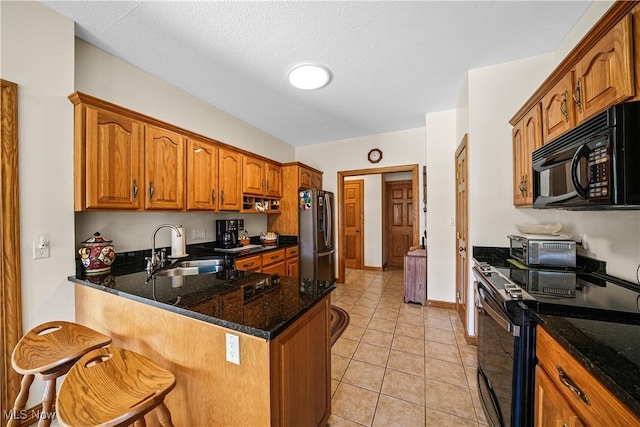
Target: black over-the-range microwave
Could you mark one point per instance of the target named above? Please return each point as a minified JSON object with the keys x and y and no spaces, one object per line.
{"x":594,"y":166}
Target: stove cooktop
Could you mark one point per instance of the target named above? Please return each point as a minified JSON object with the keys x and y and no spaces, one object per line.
{"x":561,"y":291}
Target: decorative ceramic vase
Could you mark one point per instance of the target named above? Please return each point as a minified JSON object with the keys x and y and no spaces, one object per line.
{"x":97,"y":255}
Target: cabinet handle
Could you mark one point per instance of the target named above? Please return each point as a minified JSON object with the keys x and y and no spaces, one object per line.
{"x":222,"y":197}
{"x":564,"y":106}
{"x":135,"y":190}
{"x":524,"y":187}
{"x":578,"y":92}
{"x":249,"y":264}
{"x":564,"y":379}
{"x":151,"y":191}
{"x":275,"y":257}
{"x":267,"y":185}
{"x":213,"y":196}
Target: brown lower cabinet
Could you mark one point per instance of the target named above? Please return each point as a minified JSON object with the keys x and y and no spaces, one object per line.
{"x":569,"y":395}
{"x":280,"y":382}
{"x":280,"y":261}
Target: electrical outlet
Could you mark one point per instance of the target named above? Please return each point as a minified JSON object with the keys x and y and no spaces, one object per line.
{"x":199,"y":233}
{"x":40,"y":249}
{"x":233,"y":349}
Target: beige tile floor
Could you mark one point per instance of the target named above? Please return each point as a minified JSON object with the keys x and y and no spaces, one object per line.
{"x":399,"y":364}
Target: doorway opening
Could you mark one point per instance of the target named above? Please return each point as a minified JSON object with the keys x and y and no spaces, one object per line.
{"x":413,"y":212}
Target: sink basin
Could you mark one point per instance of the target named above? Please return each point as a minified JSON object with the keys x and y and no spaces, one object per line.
{"x":193,"y":267}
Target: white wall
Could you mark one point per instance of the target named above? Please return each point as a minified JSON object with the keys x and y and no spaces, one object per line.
{"x":372,"y":219}
{"x":37,"y":54}
{"x":441,"y":209}
{"x":405,"y":147}
{"x":105,"y":76}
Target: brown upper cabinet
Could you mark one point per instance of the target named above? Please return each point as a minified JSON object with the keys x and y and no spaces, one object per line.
{"x":164,"y":169}
{"x":213,"y":177}
{"x":125,"y":160}
{"x":598,"y":73}
{"x":229,"y":179}
{"x":527,"y":137}
{"x":601,"y":78}
{"x":294,"y":177}
{"x":108,"y":160}
{"x":202,"y":175}
{"x":309,"y":178}
{"x":260,"y":177}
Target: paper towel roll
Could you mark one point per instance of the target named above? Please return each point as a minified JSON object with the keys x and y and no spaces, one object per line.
{"x":178,"y":247}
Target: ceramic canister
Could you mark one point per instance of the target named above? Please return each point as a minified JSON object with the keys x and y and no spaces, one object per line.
{"x":97,"y":255}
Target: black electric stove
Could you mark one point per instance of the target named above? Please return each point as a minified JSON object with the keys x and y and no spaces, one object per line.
{"x":506,"y":332}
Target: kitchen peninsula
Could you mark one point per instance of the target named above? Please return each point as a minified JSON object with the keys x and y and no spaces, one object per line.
{"x":283,"y":324}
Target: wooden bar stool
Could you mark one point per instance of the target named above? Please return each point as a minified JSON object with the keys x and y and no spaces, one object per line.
{"x":112,"y":386}
{"x":49,"y":351}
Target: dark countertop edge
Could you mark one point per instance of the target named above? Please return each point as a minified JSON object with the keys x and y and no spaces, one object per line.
{"x":586,"y":351}
{"x":268,"y":335}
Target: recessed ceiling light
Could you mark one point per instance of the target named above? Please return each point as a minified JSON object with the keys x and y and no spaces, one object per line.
{"x":309,"y":76}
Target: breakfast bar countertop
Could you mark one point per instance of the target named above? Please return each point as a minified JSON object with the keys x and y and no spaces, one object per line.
{"x":258,"y":304}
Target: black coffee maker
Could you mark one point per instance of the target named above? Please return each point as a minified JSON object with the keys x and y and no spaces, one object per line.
{"x":227,"y":232}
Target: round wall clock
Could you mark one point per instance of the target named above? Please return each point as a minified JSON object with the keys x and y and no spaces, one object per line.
{"x":374,"y":155}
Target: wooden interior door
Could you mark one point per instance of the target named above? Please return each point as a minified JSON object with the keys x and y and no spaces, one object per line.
{"x":400,"y":217}
{"x":10,"y":283}
{"x":462,"y":226}
{"x":354,"y":223}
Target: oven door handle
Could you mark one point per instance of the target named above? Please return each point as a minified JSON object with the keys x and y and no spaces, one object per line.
{"x":575,"y":163}
{"x":500,"y":320}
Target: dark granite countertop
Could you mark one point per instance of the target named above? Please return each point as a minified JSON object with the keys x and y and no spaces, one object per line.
{"x":258,"y":304}
{"x":608,"y":350}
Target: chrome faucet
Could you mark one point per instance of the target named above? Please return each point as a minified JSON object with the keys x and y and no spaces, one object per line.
{"x":156,"y":262}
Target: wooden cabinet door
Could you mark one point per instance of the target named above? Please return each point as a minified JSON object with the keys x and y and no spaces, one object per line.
{"x":202,"y":176}
{"x":551,"y":408}
{"x":274,"y":180}
{"x":532,"y":134}
{"x":293,"y":267}
{"x":277,"y":268}
{"x":604,"y":76}
{"x":557,"y":109}
{"x":113,"y":160}
{"x":517,"y":137}
{"x":316,"y":181}
{"x":229,"y":180}
{"x":305,"y":178}
{"x":253,"y":175}
{"x":164,"y":169}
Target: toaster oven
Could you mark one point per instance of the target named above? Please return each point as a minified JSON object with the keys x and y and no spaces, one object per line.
{"x":543,"y":252}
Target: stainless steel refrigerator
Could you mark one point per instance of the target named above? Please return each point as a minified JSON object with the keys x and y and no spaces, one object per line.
{"x":317,"y":250}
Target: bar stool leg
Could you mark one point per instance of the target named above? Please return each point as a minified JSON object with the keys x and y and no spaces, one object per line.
{"x":21,"y":400}
{"x":140,"y":423}
{"x":164,"y":415}
{"x":47,"y":404}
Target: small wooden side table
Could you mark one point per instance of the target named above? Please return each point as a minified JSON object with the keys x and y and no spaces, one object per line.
{"x":415,"y":276}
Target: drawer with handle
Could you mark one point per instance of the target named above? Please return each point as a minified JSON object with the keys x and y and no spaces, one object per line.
{"x":250,"y":263}
{"x":590,"y":399}
{"x":272,"y":257}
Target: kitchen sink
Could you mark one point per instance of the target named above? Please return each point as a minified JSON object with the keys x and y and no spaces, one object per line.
{"x":193,"y":267}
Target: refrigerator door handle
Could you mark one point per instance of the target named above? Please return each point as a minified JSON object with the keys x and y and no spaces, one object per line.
{"x":326,"y":253}
{"x":327,"y":218}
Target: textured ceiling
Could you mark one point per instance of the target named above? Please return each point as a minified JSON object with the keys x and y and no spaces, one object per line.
{"x":392,"y":62}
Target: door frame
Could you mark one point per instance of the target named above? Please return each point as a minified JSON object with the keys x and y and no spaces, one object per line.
{"x":10,"y":282}
{"x":375,"y":171}
{"x":464,"y":143}
{"x":360,"y":182}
